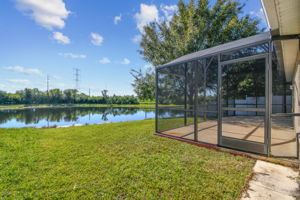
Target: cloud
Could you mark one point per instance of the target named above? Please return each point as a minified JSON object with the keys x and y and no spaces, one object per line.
{"x":96,"y":39}
{"x":137,"y":38}
{"x":9,"y":87}
{"x":147,"y":14}
{"x":20,"y":81}
{"x":23,"y":70}
{"x":104,"y":60}
{"x":117,"y":19}
{"x":168,"y":11}
{"x":71,"y":55}
{"x":55,"y":77}
{"x":148,"y":66}
{"x":125,"y":61}
{"x":260,"y":15}
{"x":46,"y":13}
{"x":61,"y":38}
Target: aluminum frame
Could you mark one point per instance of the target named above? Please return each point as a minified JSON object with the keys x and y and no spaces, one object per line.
{"x":240,"y":144}
{"x":217,"y":53}
{"x":262,"y":148}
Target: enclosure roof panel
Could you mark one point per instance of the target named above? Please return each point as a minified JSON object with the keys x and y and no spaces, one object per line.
{"x":227,"y":47}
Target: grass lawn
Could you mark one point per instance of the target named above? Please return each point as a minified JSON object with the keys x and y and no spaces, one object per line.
{"x":114,"y":161}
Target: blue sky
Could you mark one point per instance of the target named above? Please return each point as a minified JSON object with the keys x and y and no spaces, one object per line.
{"x":43,"y":37}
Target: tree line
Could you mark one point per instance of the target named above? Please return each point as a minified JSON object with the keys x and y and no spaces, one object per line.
{"x":57,"y":96}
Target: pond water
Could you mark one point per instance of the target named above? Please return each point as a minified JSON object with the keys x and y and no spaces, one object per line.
{"x":69,"y":116}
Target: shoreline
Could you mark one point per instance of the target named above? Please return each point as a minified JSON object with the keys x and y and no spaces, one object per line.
{"x":75,"y":125}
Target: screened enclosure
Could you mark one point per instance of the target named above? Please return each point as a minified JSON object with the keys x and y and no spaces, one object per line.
{"x":234,"y":95}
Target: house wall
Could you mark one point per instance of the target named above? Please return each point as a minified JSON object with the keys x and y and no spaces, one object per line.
{"x":296,"y":94}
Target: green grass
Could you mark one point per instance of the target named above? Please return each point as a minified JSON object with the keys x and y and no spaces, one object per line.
{"x":12,"y":106}
{"x":114,"y":161}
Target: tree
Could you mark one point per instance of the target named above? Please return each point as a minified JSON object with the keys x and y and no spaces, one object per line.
{"x":27,"y":96}
{"x":104,"y":93}
{"x":70,"y":95}
{"x":56,"y":96}
{"x":3,"y":97}
{"x":143,"y":84}
{"x":195,"y":27}
{"x":105,"y":96}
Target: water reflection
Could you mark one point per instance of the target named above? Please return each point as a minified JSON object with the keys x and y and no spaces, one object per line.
{"x":45,"y":117}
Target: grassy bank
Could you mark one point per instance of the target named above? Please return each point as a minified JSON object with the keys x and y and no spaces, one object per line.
{"x":114,"y":161}
{"x":12,"y":106}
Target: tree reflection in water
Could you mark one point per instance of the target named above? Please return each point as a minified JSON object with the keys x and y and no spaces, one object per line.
{"x":68,"y":114}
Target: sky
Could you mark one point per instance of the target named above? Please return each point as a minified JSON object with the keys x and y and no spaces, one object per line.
{"x":40,"y":38}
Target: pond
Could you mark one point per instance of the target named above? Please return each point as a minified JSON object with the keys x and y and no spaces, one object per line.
{"x":70,"y":116}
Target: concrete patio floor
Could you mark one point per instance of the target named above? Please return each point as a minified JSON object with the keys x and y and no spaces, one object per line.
{"x":251,"y":128}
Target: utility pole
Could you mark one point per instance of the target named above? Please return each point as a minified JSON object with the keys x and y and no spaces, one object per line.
{"x":76,"y":74}
{"x":47,"y":83}
{"x":89,"y":92}
{"x":48,"y":87}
